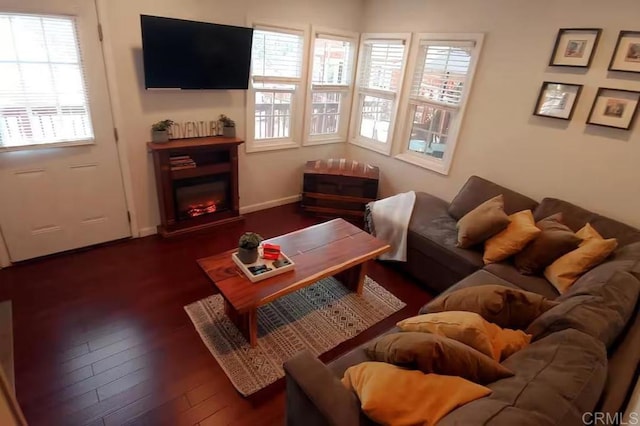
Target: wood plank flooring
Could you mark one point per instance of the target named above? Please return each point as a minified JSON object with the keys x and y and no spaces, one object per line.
{"x":101,"y":337}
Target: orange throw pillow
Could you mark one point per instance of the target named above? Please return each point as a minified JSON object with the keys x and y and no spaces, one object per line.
{"x":588,"y":232}
{"x":521,"y":231}
{"x":593,"y":250}
{"x":472,"y":330}
{"x":391,"y":395}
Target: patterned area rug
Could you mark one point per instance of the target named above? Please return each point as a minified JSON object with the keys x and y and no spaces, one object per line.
{"x":316,"y":318}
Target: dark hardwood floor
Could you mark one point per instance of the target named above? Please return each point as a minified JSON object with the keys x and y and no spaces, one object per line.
{"x":101,"y":337}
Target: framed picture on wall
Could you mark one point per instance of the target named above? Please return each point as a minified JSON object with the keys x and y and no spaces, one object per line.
{"x":626,"y":56}
{"x":557,"y":100}
{"x":575,"y":47}
{"x":614,"y":108}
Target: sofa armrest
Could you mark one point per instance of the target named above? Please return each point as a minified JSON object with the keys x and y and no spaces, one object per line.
{"x":316,"y":397}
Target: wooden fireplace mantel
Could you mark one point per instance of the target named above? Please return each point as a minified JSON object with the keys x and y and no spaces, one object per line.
{"x":211,"y":141}
{"x":214,"y":156}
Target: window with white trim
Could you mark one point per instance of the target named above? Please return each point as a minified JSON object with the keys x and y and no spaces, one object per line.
{"x":331,"y":86}
{"x":43,"y":97}
{"x":381,"y":70}
{"x":276,"y":86}
{"x":441,"y":81}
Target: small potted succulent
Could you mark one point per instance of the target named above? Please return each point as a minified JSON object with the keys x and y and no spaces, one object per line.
{"x":160,"y":131}
{"x":228,"y":126}
{"x":248,"y":247}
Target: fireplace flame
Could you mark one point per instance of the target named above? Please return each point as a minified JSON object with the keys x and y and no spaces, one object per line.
{"x":195,"y":210}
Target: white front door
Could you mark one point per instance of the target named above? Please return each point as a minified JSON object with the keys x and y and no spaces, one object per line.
{"x":60,"y":181}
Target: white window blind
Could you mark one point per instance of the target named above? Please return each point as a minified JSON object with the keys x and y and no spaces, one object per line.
{"x":43,"y":96}
{"x":332,"y":60}
{"x":442,"y":72}
{"x":277,"y":54}
{"x":382,"y":64}
{"x":276,"y":76}
{"x":380,"y":74}
{"x":331,"y":88}
{"x":437,"y":96}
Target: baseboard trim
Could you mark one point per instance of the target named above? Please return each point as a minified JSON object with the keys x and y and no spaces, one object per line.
{"x":5,"y":261}
{"x":6,"y":347}
{"x":269,"y":204}
{"x":145,"y":232}
{"x":152,"y":230}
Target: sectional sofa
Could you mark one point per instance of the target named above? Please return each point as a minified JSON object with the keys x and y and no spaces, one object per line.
{"x":585,"y":351}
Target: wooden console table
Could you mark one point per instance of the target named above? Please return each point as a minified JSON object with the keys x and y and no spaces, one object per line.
{"x":339,"y":187}
{"x":216,"y":166}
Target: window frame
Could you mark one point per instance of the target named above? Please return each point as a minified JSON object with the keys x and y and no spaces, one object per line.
{"x":297,"y":99}
{"x":360,"y":93}
{"x":442,"y":165}
{"x":347,"y":89}
{"x":64,"y":142}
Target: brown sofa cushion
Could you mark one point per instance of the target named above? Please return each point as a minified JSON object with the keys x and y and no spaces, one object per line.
{"x":504,"y":306}
{"x":478,"y":278}
{"x":339,"y":365}
{"x":431,"y":353}
{"x":628,"y":253}
{"x":533,"y":283}
{"x":506,"y":275}
{"x":554,"y":241}
{"x":472,"y":330}
{"x":478,"y":190}
{"x":520,"y":232}
{"x":576,"y":217}
{"x":432,"y":256}
{"x":600,"y":303}
{"x":624,"y":358}
{"x":482,"y":222}
{"x":557,"y":379}
{"x":433,"y":233}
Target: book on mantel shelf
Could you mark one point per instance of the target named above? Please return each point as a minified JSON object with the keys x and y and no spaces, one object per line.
{"x":182,"y":162}
{"x":183,"y":167}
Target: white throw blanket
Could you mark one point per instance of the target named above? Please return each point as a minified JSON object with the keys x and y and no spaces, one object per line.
{"x":391,"y":222}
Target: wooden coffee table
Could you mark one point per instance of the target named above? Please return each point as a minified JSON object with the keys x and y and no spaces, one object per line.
{"x":335,"y":248}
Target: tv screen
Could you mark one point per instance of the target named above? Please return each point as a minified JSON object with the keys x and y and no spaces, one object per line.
{"x":182,"y":54}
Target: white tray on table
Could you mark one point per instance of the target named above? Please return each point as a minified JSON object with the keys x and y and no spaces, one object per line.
{"x":268,"y":263}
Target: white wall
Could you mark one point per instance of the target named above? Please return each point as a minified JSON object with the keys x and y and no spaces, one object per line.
{"x":596,"y":168}
{"x":500,"y":139}
{"x":264,"y":177}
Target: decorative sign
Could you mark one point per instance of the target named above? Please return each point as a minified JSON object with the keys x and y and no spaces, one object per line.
{"x":194,"y":129}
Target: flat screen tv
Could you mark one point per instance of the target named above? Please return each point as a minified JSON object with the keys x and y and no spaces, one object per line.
{"x":182,"y":54}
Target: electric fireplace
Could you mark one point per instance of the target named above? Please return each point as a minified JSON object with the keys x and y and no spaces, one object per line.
{"x":197,"y":183}
{"x":200,"y":196}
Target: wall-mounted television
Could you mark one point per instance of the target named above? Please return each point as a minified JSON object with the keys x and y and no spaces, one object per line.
{"x":191,"y":55}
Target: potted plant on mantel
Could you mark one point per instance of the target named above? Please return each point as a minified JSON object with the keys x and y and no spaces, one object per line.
{"x":228,"y":126}
{"x":248,"y":247}
{"x":160,"y":131}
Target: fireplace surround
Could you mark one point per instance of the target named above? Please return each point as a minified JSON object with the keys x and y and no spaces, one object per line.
{"x":197,"y":183}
